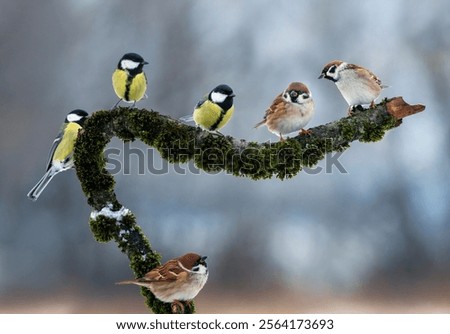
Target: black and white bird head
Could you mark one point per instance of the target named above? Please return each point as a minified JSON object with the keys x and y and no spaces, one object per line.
{"x":297,"y":92}
{"x":223,"y":96}
{"x":132,"y":62}
{"x":76,"y":116}
{"x":331,"y":71}
{"x":200,"y":266}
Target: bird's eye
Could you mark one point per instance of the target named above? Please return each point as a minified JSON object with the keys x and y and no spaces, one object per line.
{"x":293,"y":94}
{"x":332,"y":69}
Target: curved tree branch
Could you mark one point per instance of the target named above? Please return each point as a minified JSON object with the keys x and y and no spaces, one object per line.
{"x":180,"y":143}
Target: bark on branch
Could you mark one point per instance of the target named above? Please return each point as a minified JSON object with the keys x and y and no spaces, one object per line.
{"x":180,"y":143}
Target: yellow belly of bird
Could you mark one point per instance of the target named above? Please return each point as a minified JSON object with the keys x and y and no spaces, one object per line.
{"x":65,"y":147}
{"x":129,"y":90}
{"x":209,"y":114}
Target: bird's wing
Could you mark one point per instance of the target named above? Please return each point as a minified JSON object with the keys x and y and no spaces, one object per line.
{"x":362,"y":72}
{"x":190,"y":118}
{"x":53,"y":148}
{"x":170,"y":271}
{"x":276,"y":106}
{"x":200,"y":103}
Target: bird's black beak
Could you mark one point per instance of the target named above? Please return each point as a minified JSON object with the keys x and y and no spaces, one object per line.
{"x":203,"y":258}
{"x":145,"y":63}
{"x":321,"y":76}
{"x":232,"y":95}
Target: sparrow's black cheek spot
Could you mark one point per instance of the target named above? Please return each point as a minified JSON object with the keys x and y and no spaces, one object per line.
{"x":330,"y":78}
{"x":332,"y":69}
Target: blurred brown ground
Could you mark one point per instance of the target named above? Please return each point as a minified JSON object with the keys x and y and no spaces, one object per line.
{"x":428,"y":298}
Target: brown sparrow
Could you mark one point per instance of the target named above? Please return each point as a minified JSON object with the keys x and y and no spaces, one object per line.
{"x":290,"y":111}
{"x":179,"y":279}
{"x":357,"y":84}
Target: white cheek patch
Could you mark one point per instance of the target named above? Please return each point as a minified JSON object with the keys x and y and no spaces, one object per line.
{"x":202,"y":269}
{"x":218,"y":97}
{"x":286,"y":96}
{"x":305,"y":96}
{"x":334,"y":74}
{"x":129,"y":64}
{"x":73,"y":118}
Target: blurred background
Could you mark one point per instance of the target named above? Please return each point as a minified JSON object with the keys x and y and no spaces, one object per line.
{"x":374,"y":238}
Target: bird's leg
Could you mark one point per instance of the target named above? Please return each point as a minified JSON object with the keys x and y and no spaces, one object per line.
{"x":350,"y":111}
{"x":132,"y":106}
{"x":281,"y":137}
{"x":177,"y":307}
{"x":305,"y":132}
{"x":114,"y":106}
{"x":372,"y":104}
{"x":353,"y":109}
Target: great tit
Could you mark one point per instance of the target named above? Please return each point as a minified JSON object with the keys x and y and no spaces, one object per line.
{"x":214,"y":110}
{"x":61,"y":153}
{"x":129,"y":80}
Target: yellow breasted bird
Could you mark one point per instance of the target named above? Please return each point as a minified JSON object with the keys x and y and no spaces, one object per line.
{"x":214,"y":110}
{"x":61,"y":153}
{"x":129,"y":80}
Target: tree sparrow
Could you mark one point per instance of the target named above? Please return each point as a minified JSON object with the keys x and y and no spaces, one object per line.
{"x":290,"y":111}
{"x":179,"y":279}
{"x":357,"y":84}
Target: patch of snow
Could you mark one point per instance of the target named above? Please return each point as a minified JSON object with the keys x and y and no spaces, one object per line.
{"x":108,"y":212}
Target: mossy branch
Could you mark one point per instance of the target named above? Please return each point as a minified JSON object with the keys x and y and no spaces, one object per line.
{"x":180,"y":143}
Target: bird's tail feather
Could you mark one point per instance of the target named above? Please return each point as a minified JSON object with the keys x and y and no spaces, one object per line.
{"x":125,"y":282}
{"x":135,"y":282}
{"x":187,"y":118}
{"x":260,"y":123}
{"x":36,"y":191}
